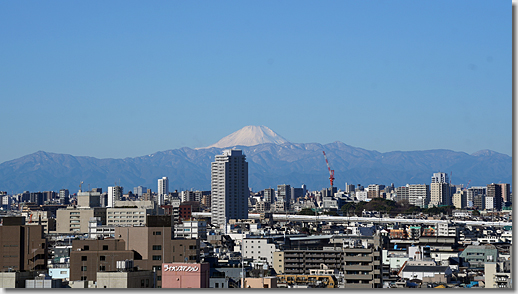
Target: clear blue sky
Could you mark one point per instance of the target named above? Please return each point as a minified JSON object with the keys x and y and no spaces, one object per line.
{"x":129,"y":78}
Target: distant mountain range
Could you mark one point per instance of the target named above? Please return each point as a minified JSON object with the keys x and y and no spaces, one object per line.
{"x":272,"y":161}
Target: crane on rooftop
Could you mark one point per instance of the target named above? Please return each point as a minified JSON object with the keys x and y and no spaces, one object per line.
{"x":331,"y":172}
{"x":467,"y":185}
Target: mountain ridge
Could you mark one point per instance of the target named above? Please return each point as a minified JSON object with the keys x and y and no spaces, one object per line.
{"x":269,"y":165}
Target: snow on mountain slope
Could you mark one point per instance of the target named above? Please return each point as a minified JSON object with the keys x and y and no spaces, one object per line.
{"x":249,"y":136}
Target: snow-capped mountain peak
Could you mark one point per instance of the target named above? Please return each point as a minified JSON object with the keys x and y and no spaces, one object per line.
{"x":250,"y":136}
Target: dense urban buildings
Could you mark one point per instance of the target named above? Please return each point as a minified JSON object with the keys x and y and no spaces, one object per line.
{"x":421,"y":235}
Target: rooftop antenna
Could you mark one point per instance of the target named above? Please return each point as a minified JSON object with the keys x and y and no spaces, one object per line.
{"x":80,"y":184}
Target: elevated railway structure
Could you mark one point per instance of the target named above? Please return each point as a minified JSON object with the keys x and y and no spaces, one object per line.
{"x":343,"y":219}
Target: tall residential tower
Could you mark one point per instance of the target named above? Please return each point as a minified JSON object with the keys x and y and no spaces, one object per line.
{"x":229,"y":187}
{"x":163,"y":190}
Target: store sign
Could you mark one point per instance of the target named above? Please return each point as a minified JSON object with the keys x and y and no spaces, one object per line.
{"x":180,"y":268}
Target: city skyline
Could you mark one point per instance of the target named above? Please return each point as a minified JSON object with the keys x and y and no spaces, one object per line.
{"x":363,"y":73}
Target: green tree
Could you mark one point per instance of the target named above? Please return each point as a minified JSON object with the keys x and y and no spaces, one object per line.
{"x":306,"y":211}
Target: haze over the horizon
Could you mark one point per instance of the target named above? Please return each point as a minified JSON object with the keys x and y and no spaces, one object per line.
{"x":125,"y":79}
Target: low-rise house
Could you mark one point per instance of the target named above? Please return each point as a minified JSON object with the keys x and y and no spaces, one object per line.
{"x":427,"y":274}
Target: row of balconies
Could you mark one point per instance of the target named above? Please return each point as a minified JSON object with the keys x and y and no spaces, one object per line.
{"x":358,"y":258}
{"x":359,"y":277}
{"x":359,"y":267}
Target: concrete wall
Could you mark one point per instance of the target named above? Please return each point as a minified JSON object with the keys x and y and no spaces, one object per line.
{"x":66,"y":220}
{"x":117,"y":280}
{"x":266,"y":282}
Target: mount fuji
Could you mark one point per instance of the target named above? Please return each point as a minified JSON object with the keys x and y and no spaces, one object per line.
{"x":249,"y":136}
{"x":272,"y":161}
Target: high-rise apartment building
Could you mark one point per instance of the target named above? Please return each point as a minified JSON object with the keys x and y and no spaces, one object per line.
{"x":64,"y":197}
{"x":163,"y":190}
{"x":269,"y":195}
{"x":402,"y":193}
{"x":472,"y":193}
{"x":229,"y":187}
{"x":506,"y":192}
{"x":284,"y":194}
{"x":349,"y":188}
{"x":440,"y":178}
{"x":459,"y":199}
{"x":139,"y":191}
{"x":419,"y":195}
{"x":440,"y":194}
{"x":38,"y":198}
{"x":374,"y":191}
{"x":114,"y":194}
{"x":187,"y":196}
{"x":494,"y":197}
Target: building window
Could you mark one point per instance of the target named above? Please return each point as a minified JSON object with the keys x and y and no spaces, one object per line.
{"x":86,"y":248}
{"x":105,"y":247}
{"x":102,"y":258}
{"x":157,"y":247}
{"x":157,"y":233}
{"x":157,"y":257}
{"x":84,"y":258}
{"x":217,"y":285}
{"x":159,"y":278}
{"x":83,"y":278}
{"x":83,"y":268}
{"x":157,"y":268}
{"x":102,"y":268}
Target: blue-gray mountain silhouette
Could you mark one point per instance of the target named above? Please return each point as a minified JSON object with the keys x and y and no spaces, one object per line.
{"x":269,"y":165}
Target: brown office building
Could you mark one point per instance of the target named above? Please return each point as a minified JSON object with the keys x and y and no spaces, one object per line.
{"x":22,"y":248}
{"x":156,"y":246}
{"x":91,"y":256}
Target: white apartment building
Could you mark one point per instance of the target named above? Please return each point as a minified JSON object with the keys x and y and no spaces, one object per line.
{"x":97,"y":230}
{"x":191,"y":230}
{"x":259,"y":249}
{"x":122,"y":216}
{"x":7,"y":200}
{"x":361,"y":195}
{"x":163,"y":190}
{"x":490,"y":203}
{"x":229,"y":187}
{"x":440,"y":178}
{"x":114,"y":194}
{"x":188,"y":196}
{"x":419,"y":195}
